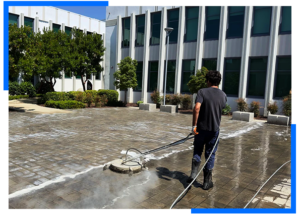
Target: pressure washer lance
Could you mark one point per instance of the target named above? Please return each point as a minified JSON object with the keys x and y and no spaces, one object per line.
{"x":142,"y":154}
{"x":197,"y":174}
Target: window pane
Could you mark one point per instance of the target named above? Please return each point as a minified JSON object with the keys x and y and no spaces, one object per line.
{"x":56,"y":27}
{"x":28,"y":22}
{"x":173,"y":15}
{"x":283,"y":84}
{"x":78,"y":76}
{"x":192,"y":12}
{"x":235,"y":22}
{"x":171,"y":66}
{"x":13,"y":19}
{"x":139,"y":67}
{"x":156,"y":18}
{"x":140,"y":20}
{"x":189,"y":65}
{"x":68,"y":31}
{"x":126,"y":32}
{"x":68,"y":74}
{"x":139,"y":76}
{"x":155,"y":28}
{"x":284,"y":64}
{"x":170,"y":82}
{"x":257,"y":77}
{"x":259,"y":64}
{"x":233,"y":64}
{"x":154,"y":66}
{"x":262,"y":20}
{"x":140,"y":29}
{"x":186,"y":76}
{"x":191,"y":30}
{"x":231,"y":83}
{"x":212,"y":23}
{"x":210,"y":64}
{"x":152,"y":81}
{"x":286,"y":22}
{"x":98,"y":76}
{"x":213,"y":11}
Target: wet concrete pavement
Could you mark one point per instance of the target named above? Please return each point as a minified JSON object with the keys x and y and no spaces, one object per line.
{"x":56,"y":161}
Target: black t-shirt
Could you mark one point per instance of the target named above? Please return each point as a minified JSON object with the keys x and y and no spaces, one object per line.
{"x":212,"y":100}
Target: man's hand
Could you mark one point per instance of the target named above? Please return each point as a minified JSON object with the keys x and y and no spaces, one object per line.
{"x":194,"y":130}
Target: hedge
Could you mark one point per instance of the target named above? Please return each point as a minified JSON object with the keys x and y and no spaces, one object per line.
{"x":18,"y":97}
{"x":56,"y":96}
{"x":112,"y":96}
{"x":65,"y":104}
{"x":25,"y":88}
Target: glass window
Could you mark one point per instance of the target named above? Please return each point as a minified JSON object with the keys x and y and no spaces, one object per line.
{"x":126,"y":31}
{"x":55,"y":27}
{"x":28,"y":22}
{"x":283,"y":76}
{"x":140,"y":30}
{"x":155,"y":28}
{"x":235,"y":27}
{"x":257,"y":76}
{"x":68,"y":74}
{"x":210,"y":64}
{"x":68,"y":30}
{"x":173,"y":18}
{"x":188,"y":69}
{"x":170,"y":76}
{"x":139,"y":76}
{"x":212,"y":23}
{"x":153,"y":73}
{"x":191,"y":24}
{"x":78,"y":76}
{"x":232,"y":76}
{"x":98,"y":76}
{"x":261,"y":21}
{"x":89,"y":33}
{"x":286,"y":20}
{"x":13,"y":19}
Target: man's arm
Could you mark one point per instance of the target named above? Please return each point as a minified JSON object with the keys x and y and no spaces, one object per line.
{"x":196,"y":113}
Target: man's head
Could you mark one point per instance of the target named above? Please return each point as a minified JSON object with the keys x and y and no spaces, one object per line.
{"x":213,"y":78}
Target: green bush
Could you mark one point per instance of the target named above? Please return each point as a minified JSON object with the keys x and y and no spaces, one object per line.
{"x":168,"y":99}
{"x":65,"y":104}
{"x":186,"y":101}
{"x":89,"y":99}
{"x":56,"y":96}
{"x":175,"y":99}
{"x":73,"y":94}
{"x":18,"y":97}
{"x":103,"y":100}
{"x":14,"y":88}
{"x":39,"y":95}
{"x":226,"y":110}
{"x":25,"y":88}
{"x":287,"y":104}
{"x":273,"y":108}
{"x":139,"y":102}
{"x":43,"y":87}
{"x":93,"y":92}
{"x":97,"y":100}
{"x":255,"y":108}
{"x":112,"y":96}
{"x":80,"y":96}
{"x":241,"y":104}
{"x":155,"y":97}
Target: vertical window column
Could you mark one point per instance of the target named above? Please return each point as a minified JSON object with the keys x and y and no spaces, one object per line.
{"x":261,"y":21}
{"x":155,"y":28}
{"x":191,"y":24}
{"x":140,"y":30}
{"x":139,"y":76}
{"x":235,"y":22}
{"x":212,"y":23}
{"x":173,"y":19}
{"x":55,"y":27}
{"x":188,"y":69}
{"x":170,"y":76}
{"x":283,"y":79}
{"x":286,"y":20}
{"x":29,"y":22}
{"x":231,"y":77}
{"x":14,"y":19}
{"x":210,"y":64}
{"x":125,"y":32}
{"x":152,"y":78}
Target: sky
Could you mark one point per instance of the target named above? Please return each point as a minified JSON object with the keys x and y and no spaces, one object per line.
{"x":96,"y":12}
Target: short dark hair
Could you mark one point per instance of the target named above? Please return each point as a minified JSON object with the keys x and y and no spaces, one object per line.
{"x":214,"y":77}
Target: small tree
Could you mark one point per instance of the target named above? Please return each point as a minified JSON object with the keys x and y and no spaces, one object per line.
{"x":126,"y":75}
{"x":198,"y":81}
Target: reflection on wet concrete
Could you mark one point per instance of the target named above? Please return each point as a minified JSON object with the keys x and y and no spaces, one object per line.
{"x":44,"y":147}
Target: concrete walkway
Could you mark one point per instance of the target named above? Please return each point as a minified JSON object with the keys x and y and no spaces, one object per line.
{"x":30,"y":105}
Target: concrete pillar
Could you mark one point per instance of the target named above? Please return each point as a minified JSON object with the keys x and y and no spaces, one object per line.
{"x":63,"y":72}
{"x":222,"y":40}
{"x":36,"y":24}
{"x":118,"y":46}
{"x":102,"y":74}
{"x":21,"y":19}
{"x":93,"y":81}
{"x":50,"y":25}
{"x":162,"y":52}
{"x":131,"y":52}
{"x":146,"y":57}
{"x":74,"y":81}
{"x":273,"y":46}
{"x":245,"y":52}
{"x":179,"y":54}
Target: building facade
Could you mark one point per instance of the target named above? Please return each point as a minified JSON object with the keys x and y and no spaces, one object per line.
{"x":249,"y":46}
{"x":57,"y":19}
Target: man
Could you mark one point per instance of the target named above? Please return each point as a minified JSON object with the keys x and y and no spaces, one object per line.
{"x":206,"y":121}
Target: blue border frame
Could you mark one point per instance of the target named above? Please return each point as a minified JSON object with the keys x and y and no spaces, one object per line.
{"x":265,"y":210}
{"x":6,"y":4}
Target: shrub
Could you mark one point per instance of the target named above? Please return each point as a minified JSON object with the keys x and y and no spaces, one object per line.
{"x":139,"y":102}
{"x":287,"y":104}
{"x":176,"y":99}
{"x":168,"y":99}
{"x":273,"y":108}
{"x":28,"y":89}
{"x":186,"y":101}
{"x":155,"y":97}
{"x":43,"y":87}
{"x":79,"y":97}
{"x":89,"y":99}
{"x":112,"y":96}
{"x":103,"y":100}
{"x":72,"y":94}
{"x":93,"y":92}
{"x":65,"y":104}
{"x":14,"y":88}
{"x":255,"y":108}
{"x":241,"y":104}
{"x":56,"y":96}
{"x":226,"y":110}
{"x":18,"y":97}
{"x":117,"y":104}
{"x":97,"y":99}
{"x":39,"y":95}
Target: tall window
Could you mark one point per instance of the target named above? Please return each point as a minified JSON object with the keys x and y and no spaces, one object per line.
{"x":126,"y":31}
{"x":28,"y":22}
{"x":188,"y":69}
{"x":140,"y":30}
{"x":286,"y":20}
{"x":55,"y":27}
{"x":170,"y":76}
{"x":232,"y":76}
{"x":191,"y":24}
{"x":68,"y":30}
{"x":257,"y":76}
{"x":152,"y":76}
{"x":235,"y":22}
{"x":155,"y":28}
{"x":212,"y":23}
{"x":261,"y":21}
{"x":173,"y":18}
{"x":210,"y":64}
{"x":13,"y":19}
{"x":283,"y":77}
{"x":68,"y":74}
{"x":98,"y":76}
{"x":139,"y":76}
